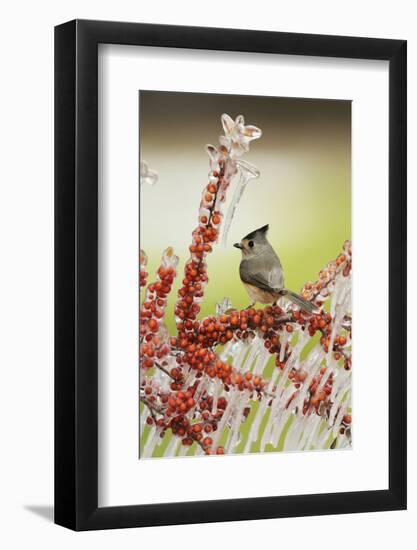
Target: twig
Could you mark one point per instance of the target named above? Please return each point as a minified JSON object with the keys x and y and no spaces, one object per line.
{"x":163,"y":369}
{"x":151,"y":406}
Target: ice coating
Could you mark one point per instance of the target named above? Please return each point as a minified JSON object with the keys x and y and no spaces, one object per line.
{"x":246,"y":173}
{"x":223,"y":306}
{"x":154,"y":337}
{"x":223,"y":169}
{"x":169,"y":259}
{"x":146,"y":175}
{"x":237,"y":136}
{"x":201,"y":385}
{"x":143,"y":274}
{"x":306,"y":399}
{"x":234,"y":143}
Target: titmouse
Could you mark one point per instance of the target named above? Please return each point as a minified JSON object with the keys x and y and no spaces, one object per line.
{"x":261,"y":272}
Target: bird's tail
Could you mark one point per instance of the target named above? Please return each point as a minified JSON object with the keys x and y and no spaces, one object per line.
{"x":299,"y":301}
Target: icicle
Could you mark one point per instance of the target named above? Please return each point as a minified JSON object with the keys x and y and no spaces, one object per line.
{"x":151,"y":442}
{"x":142,"y":420}
{"x":172,"y":448}
{"x":322,"y":437}
{"x":284,"y":339}
{"x":261,"y":362}
{"x":237,"y":421}
{"x":225,"y":418}
{"x":200,"y":389}
{"x":277,"y":424}
{"x":254,"y":351}
{"x":338,"y":398}
{"x":309,"y":434}
{"x":246,"y":172}
{"x":183,"y":450}
{"x":256,"y":422}
{"x":294,"y":434}
{"x":339,"y":419}
{"x":146,"y":175}
{"x":239,"y":356}
{"x":311,"y":367}
{"x":226,"y":351}
{"x":217,"y":389}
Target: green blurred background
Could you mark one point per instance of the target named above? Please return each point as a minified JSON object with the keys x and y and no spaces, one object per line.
{"x":304,"y":191}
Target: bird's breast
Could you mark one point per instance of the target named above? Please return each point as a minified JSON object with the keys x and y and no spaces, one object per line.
{"x":258,"y":295}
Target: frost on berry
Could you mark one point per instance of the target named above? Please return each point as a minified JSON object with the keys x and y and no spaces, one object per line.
{"x":223,"y":306}
{"x":237,"y":381}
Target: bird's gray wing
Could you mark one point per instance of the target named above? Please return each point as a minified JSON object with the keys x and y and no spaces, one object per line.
{"x":264,"y":277}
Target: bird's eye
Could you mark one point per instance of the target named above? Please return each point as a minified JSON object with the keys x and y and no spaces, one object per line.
{"x":250,"y":243}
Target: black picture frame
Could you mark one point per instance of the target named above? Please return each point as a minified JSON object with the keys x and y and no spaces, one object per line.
{"x":76,"y":271}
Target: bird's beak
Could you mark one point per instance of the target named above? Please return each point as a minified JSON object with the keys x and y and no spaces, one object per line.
{"x":238,"y":245}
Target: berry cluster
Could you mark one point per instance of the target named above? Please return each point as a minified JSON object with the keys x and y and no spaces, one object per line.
{"x":318,"y":392}
{"x":194,"y":349}
{"x":187,"y":419}
{"x":322,"y":322}
{"x":204,"y":236}
{"x":321,"y":290}
{"x":196,"y":388}
{"x":153,"y":334}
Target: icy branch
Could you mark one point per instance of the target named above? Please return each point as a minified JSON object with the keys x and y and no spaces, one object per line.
{"x":202,"y":385}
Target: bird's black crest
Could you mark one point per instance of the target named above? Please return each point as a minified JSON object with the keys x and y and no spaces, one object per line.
{"x":262,"y":229}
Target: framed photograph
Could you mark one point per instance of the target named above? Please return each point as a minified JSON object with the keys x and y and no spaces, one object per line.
{"x":230,"y":275}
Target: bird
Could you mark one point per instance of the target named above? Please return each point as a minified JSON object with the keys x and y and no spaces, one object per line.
{"x":261,"y":272}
